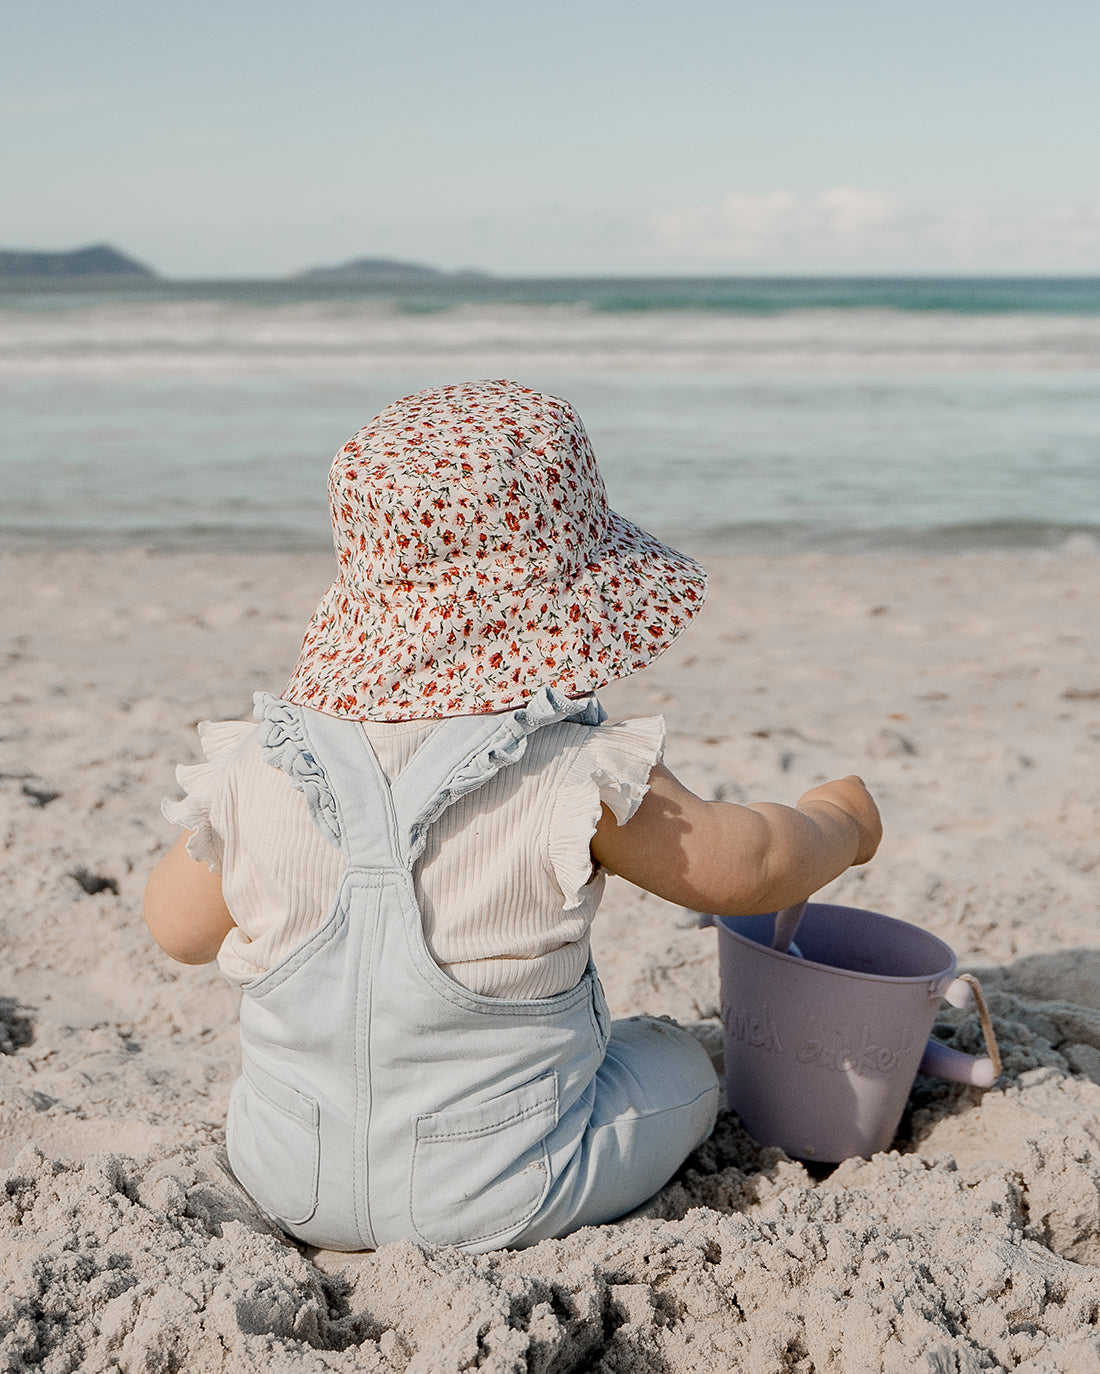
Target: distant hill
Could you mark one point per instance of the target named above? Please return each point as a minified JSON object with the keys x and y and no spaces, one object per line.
{"x":97,"y":260}
{"x":383,"y":269}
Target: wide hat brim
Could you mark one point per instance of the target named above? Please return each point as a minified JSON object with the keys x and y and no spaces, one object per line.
{"x":399,"y":651}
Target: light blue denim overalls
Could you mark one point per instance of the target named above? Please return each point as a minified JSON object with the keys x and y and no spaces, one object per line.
{"x":380,"y":1100}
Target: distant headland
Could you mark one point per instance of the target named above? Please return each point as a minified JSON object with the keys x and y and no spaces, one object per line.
{"x":103,"y":260}
{"x":385,"y":269}
{"x":97,"y":260}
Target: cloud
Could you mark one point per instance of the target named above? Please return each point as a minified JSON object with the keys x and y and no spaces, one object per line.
{"x":778,"y":223}
{"x":848,"y":224}
{"x":1065,"y":237}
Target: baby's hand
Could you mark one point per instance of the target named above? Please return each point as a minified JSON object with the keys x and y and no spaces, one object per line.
{"x":850,"y":795}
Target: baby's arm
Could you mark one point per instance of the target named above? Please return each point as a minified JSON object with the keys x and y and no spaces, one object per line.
{"x":184,"y":908}
{"x":738,"y":860}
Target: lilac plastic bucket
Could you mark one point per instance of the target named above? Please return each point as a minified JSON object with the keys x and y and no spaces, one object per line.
{"x":822,"y":1049}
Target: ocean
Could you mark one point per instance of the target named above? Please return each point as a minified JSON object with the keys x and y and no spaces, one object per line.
{"x":726,"y":414}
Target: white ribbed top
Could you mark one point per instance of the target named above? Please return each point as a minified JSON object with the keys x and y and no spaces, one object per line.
{"x":506,"y":885}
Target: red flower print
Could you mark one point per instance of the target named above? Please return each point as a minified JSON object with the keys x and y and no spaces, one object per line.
{"x":432,"y":520}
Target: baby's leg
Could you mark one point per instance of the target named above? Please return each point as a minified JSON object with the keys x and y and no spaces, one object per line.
{"x":656,"y":1096}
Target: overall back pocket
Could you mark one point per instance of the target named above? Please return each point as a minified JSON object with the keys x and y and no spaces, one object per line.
{"x":274,"y":1144}
{"x":481,"y":1173}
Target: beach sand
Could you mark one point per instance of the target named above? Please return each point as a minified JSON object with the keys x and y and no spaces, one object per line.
{"x":965,"y":689}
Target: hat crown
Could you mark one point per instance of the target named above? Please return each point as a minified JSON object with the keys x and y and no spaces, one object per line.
{"x":483,"y":481}
{"x":479,"y":562}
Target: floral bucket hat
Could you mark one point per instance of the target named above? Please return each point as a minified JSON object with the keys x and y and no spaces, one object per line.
{"x":480,"y":562}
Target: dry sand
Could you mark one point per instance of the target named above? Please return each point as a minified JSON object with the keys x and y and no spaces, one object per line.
{"x":966,"y":689}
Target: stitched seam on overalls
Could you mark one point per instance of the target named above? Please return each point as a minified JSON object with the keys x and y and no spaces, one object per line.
{"x":444,"y":987}
{"x":652,"y":1116}
{"x":364,"y":1091}
{"x":485,"y":1130}
{"x":275,"y":977}
{"x":516,"y":1010}
{"x":309,"y":1119}
{"x":535,"y":1108}
{"x":597,"y":1030}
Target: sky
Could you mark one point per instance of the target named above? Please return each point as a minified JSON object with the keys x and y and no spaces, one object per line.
{"x":219,"y":138}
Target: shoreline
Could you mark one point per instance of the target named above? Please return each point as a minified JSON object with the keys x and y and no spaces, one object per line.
{"x":1006,"y":536}
{"x":964,"y":687}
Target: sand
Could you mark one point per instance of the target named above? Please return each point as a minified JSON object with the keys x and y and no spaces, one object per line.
{"x":966,"y":690}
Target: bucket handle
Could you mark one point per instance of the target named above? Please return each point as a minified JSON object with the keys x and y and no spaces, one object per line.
{"x":941,"y":1061}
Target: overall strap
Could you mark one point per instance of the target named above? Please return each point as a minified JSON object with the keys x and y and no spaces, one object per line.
{"x":373,"y":824}
{"x":464,"y":752}
{"x":333,"y":765}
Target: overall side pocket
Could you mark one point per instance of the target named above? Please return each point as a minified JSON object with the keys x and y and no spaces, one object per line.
{"x":481,"y":1173}
{"x":274,"y":1143}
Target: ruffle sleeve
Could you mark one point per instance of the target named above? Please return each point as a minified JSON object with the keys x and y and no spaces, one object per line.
{"x":202,"y":784}
{"x":611,"y":768}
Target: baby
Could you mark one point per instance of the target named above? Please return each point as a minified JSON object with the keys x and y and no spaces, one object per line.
{"x":400,"y":862}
